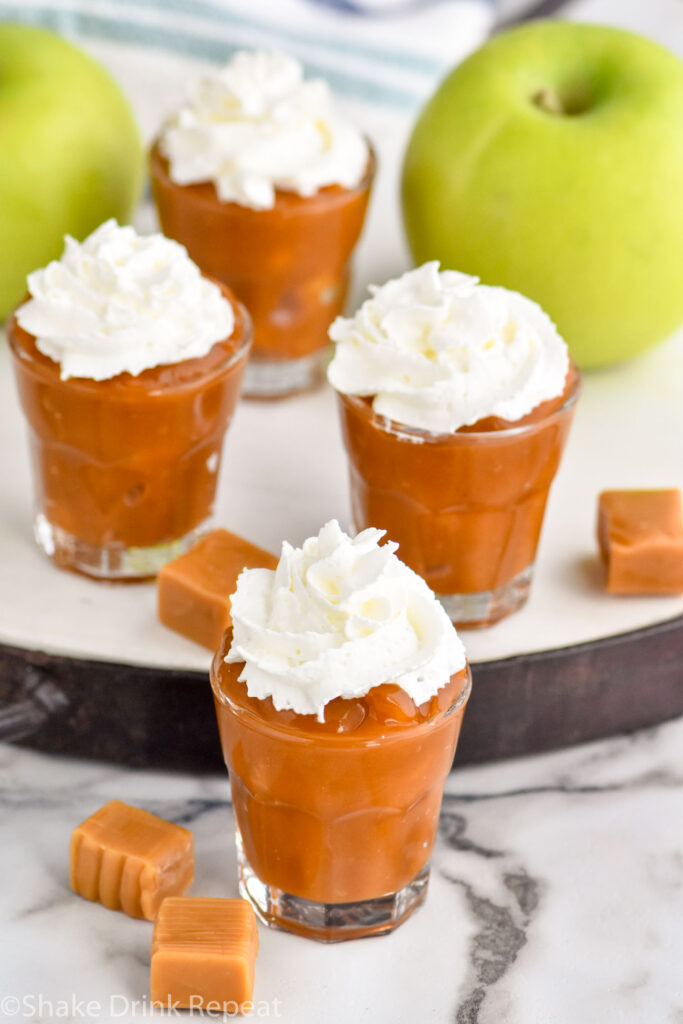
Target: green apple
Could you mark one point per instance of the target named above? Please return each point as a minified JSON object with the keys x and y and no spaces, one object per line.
{"x":551,"y":162}
{"x":70,"y":152}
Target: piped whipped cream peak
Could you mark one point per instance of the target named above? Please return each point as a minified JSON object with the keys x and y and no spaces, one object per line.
{"x":338,"y":616}
{"x":255,"y":126}
{"x":439,"y":351}
{"x":122,"y":302}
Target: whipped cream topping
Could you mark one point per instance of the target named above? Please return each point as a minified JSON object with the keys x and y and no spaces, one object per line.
{"x":440,"y":351}
{"x":338,"y":616}
{"x":255,"y":126}
{"x":121,"y":302}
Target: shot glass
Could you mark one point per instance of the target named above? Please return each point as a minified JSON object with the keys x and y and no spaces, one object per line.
{"x":289,"y":265}
{"x":125,"y":469}
{"x":465,"y":508}
{"x":336,"y":820}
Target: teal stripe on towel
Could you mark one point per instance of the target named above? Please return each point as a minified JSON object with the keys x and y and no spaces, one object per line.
{"x":400,"y":60}
{"x":202,"y":46}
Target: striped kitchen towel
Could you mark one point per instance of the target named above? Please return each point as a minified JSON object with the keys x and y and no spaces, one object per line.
{"x":388,"y":53}
{"x":381,"y":57}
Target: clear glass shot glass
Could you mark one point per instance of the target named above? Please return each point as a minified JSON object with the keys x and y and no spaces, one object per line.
{"x":465,"y":508}
{"x":289,"y":265}
{"x":336,"y":821}
{"x":125,"y":470}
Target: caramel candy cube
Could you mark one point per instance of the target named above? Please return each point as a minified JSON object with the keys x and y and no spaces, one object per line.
{"x":203,"y":954}
{"x":641,"y":541}
{"x":130,"y":860}
{"x":194,"y":590}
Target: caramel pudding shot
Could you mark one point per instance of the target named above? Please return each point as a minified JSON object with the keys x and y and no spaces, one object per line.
{"x":128,"y":363}
{"x":340,"y":692}
{"x":456,"y":399}
{"x":265,"y":182}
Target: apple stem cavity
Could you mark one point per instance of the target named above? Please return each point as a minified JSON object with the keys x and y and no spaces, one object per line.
{"x":567,"y":104}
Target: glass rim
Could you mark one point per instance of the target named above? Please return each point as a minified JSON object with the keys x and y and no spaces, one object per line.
{"x":481,"y":436}
{"x":340,"y":739}
{"x":159,"y":163}
{"x":88,"y":384}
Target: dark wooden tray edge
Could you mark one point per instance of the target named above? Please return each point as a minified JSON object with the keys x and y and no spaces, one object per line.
{"x":164,"y":718}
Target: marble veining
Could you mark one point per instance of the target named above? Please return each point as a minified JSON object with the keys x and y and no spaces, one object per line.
{"x":556,"y":898}
{"x":501,"y":922}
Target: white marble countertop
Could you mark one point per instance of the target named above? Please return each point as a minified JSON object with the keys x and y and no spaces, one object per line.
{"x":556,"y":898}
{"x":557,"y":884}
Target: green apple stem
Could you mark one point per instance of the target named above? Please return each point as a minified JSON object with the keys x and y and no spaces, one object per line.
{"x":548,"y":100}
{"x":570,"y":102}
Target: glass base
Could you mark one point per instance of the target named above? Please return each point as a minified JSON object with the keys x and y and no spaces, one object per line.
{"x":109,"y":562}
{"x":329,"y":922}
{"x":276,"y":378}
{"x":474,"y":611}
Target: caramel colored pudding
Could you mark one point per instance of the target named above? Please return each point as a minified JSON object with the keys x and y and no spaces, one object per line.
{"x":125,"y":469}
{"x":194,"y":590}
{"x":203,"y":955}
{"x":641,"y":541}
{"x":340,"y":811}
{"x":289,"y":265}
{"x":130,"y":860}
{"x":465,"y":508}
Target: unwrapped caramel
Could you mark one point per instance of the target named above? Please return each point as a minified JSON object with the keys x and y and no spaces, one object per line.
{"x":130,"y":860}
{"x":203,"y":954}
{"x":194,"y":590}
{"x":640,"y":534}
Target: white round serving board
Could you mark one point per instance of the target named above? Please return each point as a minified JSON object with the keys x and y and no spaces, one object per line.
{"x":284,"y":474}
{"x":284,"y":469}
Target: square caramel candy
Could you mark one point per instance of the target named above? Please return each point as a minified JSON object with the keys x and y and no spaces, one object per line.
{"x":194,"y":590}
{"x":203,"y":954}
{"x":640,"y":534}
{"x":130,"y":860}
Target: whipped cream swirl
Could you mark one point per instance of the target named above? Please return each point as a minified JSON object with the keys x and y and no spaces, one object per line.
{"x":120,"y":302}
{"x":337,"y":617}
{"x":255,"y":126}
{"x":440,"y":351}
